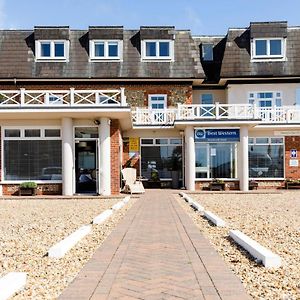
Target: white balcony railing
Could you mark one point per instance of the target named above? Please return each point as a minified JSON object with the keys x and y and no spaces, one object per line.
{"x":199,"y":112}
{"x":145,"y":116}
{"x":62,"y":98}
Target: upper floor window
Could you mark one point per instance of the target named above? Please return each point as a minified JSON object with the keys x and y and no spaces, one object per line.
{"x":157,"y":101}
{"x":157,"y":49}
{"x":268,"y":48}
{"x":52,"y":50}
{"x":265,"y":99}
{"x":207,"y":52}
{"x":106,"y":49}
{"x":207,"y":99}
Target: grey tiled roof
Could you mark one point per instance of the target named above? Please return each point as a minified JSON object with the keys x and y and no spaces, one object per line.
{"x":237,"y":59}
{"x":17,"y":58}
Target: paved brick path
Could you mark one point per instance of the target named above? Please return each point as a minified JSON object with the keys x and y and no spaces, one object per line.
{"x":156,"y":252}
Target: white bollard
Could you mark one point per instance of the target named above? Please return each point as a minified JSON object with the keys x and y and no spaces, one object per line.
{"x":103,"y":216}
{"x":126,"y":199}
{"x":196,"y":206}
{"x":61,"y":248}
{"x":12,"y":283}
{"x":214,"y":218}
{"x":118,"y":205}
{"x":267,"y":257}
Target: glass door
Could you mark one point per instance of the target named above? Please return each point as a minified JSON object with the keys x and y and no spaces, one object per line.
{"x":202,"y":161}
{"x":86,"y":166}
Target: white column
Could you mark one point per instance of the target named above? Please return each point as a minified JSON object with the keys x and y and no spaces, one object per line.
{"x":190,"y":158}
{"x":105,"y":168}
{"x":244,"y":170}
{"x":67,"y":156}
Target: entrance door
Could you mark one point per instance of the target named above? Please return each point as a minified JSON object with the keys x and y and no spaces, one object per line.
{"x":86,"y":167}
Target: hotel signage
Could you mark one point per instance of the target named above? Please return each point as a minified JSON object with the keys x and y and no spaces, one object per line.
{"x":217,"y":135}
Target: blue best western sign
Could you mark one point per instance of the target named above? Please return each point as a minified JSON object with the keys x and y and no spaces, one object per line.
{"x":217,"y":135}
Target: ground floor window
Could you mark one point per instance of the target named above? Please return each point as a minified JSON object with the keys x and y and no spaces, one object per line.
{"x":32,"y":154}
{"x":215,"y":160}
{"x":160,"y":157}
{"x":266,"y":157}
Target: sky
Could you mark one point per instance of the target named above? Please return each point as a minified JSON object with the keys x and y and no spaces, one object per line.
{"x":201,"y":17}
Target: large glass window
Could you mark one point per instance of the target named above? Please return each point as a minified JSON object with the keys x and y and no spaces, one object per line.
{"x":266,"y":157}
{"x":215,"y":160}
{"x":32,"y":154}
{"x":161,"y":157}
{"x":32,"y":160}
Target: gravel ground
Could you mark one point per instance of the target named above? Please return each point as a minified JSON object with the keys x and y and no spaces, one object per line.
{"x":271,"y":219}
{"x":30,"y":227}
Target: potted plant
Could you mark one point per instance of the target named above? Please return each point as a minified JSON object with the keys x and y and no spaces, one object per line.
{"x":253,"y":185}
{"x":292,"y":184}
{"x":28,"y":188}
{"x":217,"y":185}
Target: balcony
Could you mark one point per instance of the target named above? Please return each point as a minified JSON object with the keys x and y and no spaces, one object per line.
{"x":62,"y":98}
{"x":223,"y":112}
{"x":156,"y":117}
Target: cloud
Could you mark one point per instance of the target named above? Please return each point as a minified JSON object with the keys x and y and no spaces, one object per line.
{"x":193,"y":19}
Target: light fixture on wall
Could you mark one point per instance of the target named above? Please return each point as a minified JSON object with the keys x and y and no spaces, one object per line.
{"x":96,"y":122}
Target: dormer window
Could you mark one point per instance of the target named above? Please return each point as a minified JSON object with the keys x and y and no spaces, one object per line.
{"x":268,"y":48}
{"x":158,"y":50}
{"x":207,"y":52}
{"x":106,"y":50}
{"x":52,"y":50}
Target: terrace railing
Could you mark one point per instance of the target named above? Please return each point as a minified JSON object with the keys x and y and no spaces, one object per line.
{"x":145,"y":116}
{"x":62,"y":98}
{"x":199,"y":112}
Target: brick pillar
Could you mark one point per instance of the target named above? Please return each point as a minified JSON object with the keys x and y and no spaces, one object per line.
{"x":115,"y":156}
{"x":292,"y":142}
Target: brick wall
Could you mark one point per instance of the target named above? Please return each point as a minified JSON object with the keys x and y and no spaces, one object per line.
{"x":42,"y":189}
{"x":291,"y":142}
{"x":115,"y":156}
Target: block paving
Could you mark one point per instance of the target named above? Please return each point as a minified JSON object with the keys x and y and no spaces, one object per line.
{"x":156,"y":252}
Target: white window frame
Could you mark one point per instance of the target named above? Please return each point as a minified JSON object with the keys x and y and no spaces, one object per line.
{"x":157,"y":57}
{"x":268,"y":56}
{"x":52,"y":56}
{"x":256,"y":100}
{"x":164,"y":101}
{"x":22,"y":137}
{"x":106,"y":57}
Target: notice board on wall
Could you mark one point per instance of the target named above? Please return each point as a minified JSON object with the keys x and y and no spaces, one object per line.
{"x":134,"y":144}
